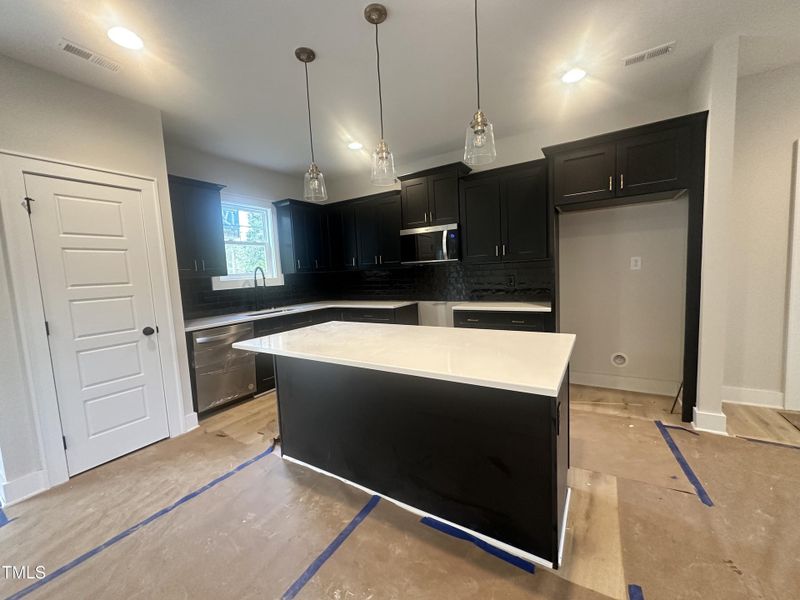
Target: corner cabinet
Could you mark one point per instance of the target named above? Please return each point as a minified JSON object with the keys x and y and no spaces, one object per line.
{"x":431,"y":197}
{"x":504,"y":214}
{"x":302,"y":236}
{"x":197,"y":223}
{"x":595,"y":174}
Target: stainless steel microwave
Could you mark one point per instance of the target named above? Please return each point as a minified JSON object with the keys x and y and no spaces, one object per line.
{"x":439,"y":243}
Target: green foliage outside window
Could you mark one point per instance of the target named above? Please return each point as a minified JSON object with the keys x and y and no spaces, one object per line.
{"x":247,"y":240}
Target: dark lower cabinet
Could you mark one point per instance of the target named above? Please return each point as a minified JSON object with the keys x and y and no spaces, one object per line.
{"x":197,"y":223}
{"x":405,"y":315}
{"x":509,"y":321}
{"x":504,"y":214}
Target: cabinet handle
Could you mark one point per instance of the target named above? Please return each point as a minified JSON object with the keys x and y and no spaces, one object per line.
{"x":354,"y":261}
{"x":316,"y":264}
{"x":204,"y":264}
{"x":621,"y":181}
{"x":496,"y":250}
{"x":504,"y":249}
{"x":517,"y":322}
{"x":376,"y":259}
{"x":380,"y":258}
{"x":610,"y":183}
{"x":298,"y":263}
{"x":473,"y":321}
{"x":195,"y":264}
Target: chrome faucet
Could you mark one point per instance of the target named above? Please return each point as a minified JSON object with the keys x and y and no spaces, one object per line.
{"x":255,"y":284}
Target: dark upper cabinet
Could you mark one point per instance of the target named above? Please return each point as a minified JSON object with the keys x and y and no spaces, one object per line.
{"x":504,"y":215}
{"x":631,"y":164}
{"x":367,"y":233}
{"x":378,"y":230}
{"x":387,"y":216}
{"x":524,"y":213}
{"x":197,"y":222}
{"x":585,"y":174}
{"x":654,"y":162}
{"x":343,"y":240}
{"x":431,"y":197}
{"x":414,"y":202}
{"x":302,"y":237}
{"x":480,"y":220}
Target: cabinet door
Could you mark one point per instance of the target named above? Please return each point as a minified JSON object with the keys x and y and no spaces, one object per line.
{"x":367,"y":234}
{"x":656,"y":162}
{"x":184,"y":232}
{"x":524,"y":214}
{"x":302,"y":224}
{"x":388,"y":221}
{"x":317,"y":237}
{"x":480,"y":220}
{"x":584,"y":174}
{"x":414,"y":201}
{"x":443,"y":198}
{"x":349,"y":238}
{"x":209,"y":237}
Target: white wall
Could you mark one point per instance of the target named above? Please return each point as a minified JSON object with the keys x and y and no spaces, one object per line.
{"x":240,"y":179}
{"x":612,"y":308}
{"x":526,"y":145}
{"x":767,"y":124}
{"x":49,"y":116}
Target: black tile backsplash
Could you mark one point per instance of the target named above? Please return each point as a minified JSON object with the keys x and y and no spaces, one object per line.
{"x":450,"y":281}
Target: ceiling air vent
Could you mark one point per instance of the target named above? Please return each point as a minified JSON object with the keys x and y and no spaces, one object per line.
{"x":640,"y":57}
{"x":88,"y":55}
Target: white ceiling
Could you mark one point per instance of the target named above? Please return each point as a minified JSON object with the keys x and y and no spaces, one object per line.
{"x":225,"y":76}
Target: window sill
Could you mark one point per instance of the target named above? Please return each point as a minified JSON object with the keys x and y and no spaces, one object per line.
{"x":240,"y":282}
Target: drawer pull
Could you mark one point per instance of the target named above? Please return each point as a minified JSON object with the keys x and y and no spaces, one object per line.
{"x":473,"y":320}
{"x":518,"y":322}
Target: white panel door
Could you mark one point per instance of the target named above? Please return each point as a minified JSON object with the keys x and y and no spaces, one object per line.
{"x":92,"y":258}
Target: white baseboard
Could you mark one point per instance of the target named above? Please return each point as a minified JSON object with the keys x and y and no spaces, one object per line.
{"x":752,"y":396}
{"x":710,"y":422}
{"x":629,"y":384}
{"x":23,"y":487}
{"x":189,"y":422}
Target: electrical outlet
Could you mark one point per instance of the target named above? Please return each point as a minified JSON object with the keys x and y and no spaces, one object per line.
{"x":636,"y":263}
{"x":511,"y":281}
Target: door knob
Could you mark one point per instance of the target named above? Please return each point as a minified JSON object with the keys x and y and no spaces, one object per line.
{"x":148,"y":331}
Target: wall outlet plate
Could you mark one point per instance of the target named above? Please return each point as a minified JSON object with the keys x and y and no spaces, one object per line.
{"x":636,"y":263}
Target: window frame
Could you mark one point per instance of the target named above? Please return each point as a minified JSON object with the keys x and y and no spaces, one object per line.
{"x":230,"y":282}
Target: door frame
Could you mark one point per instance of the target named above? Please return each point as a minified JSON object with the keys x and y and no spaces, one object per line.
{"x":791,"y":389}
{"x":27,"y":295}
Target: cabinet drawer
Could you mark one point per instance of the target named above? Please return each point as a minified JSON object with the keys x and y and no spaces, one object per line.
{"x":512,"y":321}
{"x":368,"y":315}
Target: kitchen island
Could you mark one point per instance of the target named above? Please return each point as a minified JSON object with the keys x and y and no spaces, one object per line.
{"x":470,"y":427}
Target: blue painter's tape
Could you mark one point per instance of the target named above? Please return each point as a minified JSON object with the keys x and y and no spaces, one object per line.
{"x":687,"y":470}
{"x":121,"y":536}
{"x":295,"y":588}
{"x":4,"y":520}
{"x":635,"y":592}
{"x":681,"y":428}
{"x":494,"y":551}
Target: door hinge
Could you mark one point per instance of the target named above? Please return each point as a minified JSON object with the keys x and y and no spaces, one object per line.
{"x":26,"y":203}
{"x":47,"y":327}
{"x":64,"y":441}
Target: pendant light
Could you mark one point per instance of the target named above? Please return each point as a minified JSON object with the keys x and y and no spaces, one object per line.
{"x":479,"y":144}
{"x":313,"y":181}
{"x":382,"y":159}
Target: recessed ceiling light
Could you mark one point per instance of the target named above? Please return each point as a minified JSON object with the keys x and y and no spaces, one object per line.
{"x":125,"y":38}
{"x":355,"y":145}
{"x":573,"y":75}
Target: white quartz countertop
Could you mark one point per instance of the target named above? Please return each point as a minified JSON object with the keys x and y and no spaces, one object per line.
{"x":282,"y":311}
{"x":520,"y":361}
{"x":505,"y":306}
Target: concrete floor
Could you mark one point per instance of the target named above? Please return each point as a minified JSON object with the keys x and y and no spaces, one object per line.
{"x":180,"y":519}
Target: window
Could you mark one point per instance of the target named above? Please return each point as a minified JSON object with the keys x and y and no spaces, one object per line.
{"x":250,"y":242}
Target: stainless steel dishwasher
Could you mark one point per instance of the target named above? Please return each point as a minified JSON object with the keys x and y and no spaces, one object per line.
{"x":222,"y":374}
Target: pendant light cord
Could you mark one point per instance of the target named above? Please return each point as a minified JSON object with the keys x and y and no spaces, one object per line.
{"x":477,"y":61}
{"x":378,"y":61}
{"x":308,"y":105}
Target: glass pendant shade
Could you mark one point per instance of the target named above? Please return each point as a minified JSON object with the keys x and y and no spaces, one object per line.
{"x":314,"y":185}
{"x":479,"y":143}
{"x":382,"y":166}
